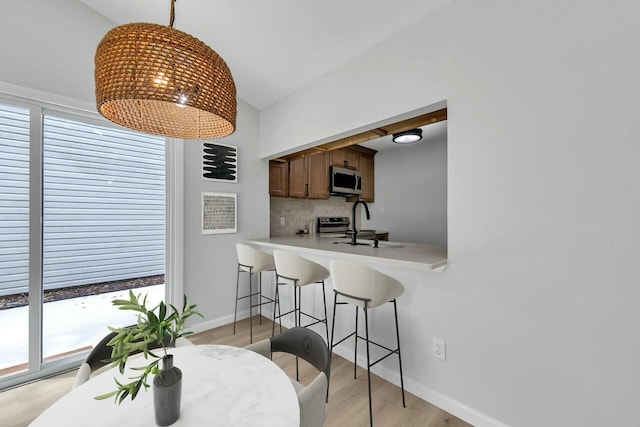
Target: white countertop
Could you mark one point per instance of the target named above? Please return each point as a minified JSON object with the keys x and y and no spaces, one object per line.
{"x":410,"y":255}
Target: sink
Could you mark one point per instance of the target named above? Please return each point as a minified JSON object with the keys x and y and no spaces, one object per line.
{"x":389,"y":245}
{"x":381,"y":244}
{"x":357,"y":243}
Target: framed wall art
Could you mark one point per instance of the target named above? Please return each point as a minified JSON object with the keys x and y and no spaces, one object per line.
{"x":219,"y":213}
{"x":219,"y":162}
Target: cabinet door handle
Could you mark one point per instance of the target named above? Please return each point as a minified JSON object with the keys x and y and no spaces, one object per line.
{"x":306,"y":189}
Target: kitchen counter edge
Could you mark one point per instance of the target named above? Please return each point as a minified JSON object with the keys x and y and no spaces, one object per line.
{"x":409,"y":255}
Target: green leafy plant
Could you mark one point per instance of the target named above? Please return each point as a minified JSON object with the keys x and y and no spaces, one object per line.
{"x":156,"y":328}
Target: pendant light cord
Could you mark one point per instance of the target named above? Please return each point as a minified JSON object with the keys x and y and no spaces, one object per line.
{"x":173,"y":13}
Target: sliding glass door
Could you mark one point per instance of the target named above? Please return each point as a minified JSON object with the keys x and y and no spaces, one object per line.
{"x":82,"y":221}
{"x":14,"y":237}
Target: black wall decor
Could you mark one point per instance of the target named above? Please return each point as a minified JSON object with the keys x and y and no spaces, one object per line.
{"x":219,"y":162}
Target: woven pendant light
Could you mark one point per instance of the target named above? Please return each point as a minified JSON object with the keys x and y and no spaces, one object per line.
{"x":155,"y":79}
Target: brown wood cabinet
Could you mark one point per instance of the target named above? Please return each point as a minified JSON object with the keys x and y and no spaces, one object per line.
{"x":298,"y":178}
{"x":365,"y":164}
{"x":318,"y":176}
{"x":367,"y":171}
{"x":278,"y":179}
{"x":309,"y":177}
{"x":345,"y":158}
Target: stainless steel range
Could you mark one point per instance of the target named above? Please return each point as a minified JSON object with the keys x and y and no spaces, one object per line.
{"x":337,"y":227}
{"x":333,"y":226}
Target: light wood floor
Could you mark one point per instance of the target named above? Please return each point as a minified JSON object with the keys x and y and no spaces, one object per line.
{"x":348,"y":402}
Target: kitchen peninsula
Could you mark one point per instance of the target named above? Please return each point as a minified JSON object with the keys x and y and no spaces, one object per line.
{"x":407,"y":255}
{"x":410,"y":263}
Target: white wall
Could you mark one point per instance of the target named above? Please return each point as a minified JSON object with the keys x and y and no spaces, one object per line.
{"x":210,"y":261}
{"x":411,"y":192}
{"x":538,"y":305}
{"x":50,"y":46}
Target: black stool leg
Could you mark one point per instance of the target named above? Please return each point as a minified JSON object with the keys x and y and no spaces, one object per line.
{"x":326,"y":321}
{"x":260,"y":295}
{"x":333,"y":330}
{"x":333,"y":324}
{"x":235,"y":312}
{"x":250,"y":305}
{"x":366,"y":323}
{"x":297,"y":309}
{"x":355,"y":347}
{"x":299,"y":305}
{"x":279,"y":313}
{"x":276,"y":303}
{"x":395,"y":310}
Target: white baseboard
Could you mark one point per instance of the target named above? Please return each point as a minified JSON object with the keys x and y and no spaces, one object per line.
{"x":225,"y":320}
{"x":214,"y":323}
{"x":444,"y":402}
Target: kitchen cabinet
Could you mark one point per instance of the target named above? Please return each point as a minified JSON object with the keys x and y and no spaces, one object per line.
{"x":362,"y":157}
{"x":298,"y":177}
{"x":309,"y":177}
{"x":367,"y":171}
{"x":345,"y":158}
{"x":278,"y":179}
{"x":318,"y":176}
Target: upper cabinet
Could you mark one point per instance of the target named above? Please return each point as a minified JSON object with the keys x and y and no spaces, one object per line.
{"x":318,"y":176}
{"x":309,"y":177}
{"x":278,"y":178}
{"x":360,"y":159}
{"x":367,"y":171}
{"x":298,"y":174}
{"x":345,"y":158}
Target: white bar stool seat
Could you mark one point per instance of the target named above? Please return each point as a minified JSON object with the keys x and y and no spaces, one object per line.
{"x":299,"y":271}
{"x":252,"y":260}
{"x":366,"y":288}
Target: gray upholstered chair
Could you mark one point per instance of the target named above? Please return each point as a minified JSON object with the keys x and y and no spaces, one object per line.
{"x":102,"y":352}
{"x":310,"y":346}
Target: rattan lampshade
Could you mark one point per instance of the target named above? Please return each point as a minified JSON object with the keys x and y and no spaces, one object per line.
{"x":156,"y":79}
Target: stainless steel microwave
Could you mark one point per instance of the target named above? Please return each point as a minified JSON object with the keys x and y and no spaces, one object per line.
{"x":345,"y":181}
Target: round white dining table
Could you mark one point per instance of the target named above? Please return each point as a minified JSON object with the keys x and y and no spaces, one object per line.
{"x":221,"y":386}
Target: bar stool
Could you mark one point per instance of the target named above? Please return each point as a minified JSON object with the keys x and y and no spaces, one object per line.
{"x":251,"y":260}
{"x":292,"y":268}
{"x":366,"y":288}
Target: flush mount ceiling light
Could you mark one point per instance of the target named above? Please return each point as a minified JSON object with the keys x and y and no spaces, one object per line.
{"x":408,"y":136}
{"x":155,"y":79}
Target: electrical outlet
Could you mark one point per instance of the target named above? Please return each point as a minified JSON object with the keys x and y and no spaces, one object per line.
{"x":281,"y":220}
{"x":439,"y":349}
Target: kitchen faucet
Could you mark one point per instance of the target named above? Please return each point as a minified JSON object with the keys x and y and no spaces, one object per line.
{"x":354,"y":232}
